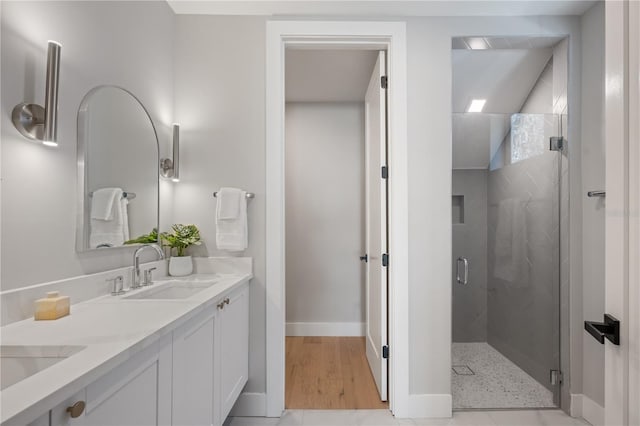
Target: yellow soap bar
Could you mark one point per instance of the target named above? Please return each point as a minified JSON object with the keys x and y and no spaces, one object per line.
{"x":52,"y":307}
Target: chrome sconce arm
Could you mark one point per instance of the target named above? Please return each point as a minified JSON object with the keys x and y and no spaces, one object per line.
{"x":34,"y":121}
{"x":170,"y":168}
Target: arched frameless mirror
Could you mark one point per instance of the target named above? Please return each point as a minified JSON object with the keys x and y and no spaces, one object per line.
{"x":117,"y":171}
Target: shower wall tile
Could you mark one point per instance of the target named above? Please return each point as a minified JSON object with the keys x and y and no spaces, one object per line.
{"x":470,"y":241}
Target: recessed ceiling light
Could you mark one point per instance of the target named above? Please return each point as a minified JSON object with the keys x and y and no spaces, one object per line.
{"x":477,"y":43}
{"x":476,"y":105}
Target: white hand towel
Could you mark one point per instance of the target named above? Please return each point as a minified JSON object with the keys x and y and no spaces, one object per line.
{"x":229,"y":200}
{"x":113,"y":232}
{"x":232,"y":234}
{"x":102,"y":203}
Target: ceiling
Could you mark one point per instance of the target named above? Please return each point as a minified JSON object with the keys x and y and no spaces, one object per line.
{"x":511,"y":42}
{"x":328,"y":75}
{"x":384,"y":8}
{"x":504,"y":78}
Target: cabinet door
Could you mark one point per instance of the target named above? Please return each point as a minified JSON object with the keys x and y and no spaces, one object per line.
{"x":193,"y":360}
{"x":233,"y":345}
{"x":41,"y":421}
{"x":137,"y":392}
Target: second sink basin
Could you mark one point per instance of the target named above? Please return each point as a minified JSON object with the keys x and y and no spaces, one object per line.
{"x":172,"y":290}
{"x":19,"y":362}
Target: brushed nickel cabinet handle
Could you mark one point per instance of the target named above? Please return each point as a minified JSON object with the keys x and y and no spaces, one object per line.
{"x":226,"y":300}
{"x":221,"y":305}
{"x":76,"y":409}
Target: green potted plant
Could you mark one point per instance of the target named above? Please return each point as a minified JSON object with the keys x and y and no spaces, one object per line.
{"x":180,"y":238}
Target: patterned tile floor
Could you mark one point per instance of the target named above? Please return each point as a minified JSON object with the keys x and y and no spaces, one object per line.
{"x":495,"y":381}
{"x":384,"y":418}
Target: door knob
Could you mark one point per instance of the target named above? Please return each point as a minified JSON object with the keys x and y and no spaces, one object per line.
{"x":76,"y":409}
{"x":365,"y":258}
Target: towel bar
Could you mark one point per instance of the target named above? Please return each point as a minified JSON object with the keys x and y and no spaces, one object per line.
{"x":127,"y":195}
{"x":248,"y":194}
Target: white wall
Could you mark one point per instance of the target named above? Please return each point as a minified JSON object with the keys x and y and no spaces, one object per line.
{"x":593,"y":178}
{"x":324,"y":185}
{"x":122,"y":43}
{"x":220,"y":101}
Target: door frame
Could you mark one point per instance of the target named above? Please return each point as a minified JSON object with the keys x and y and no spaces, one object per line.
{"x":622,"y":220}
{"x":390,"y":36}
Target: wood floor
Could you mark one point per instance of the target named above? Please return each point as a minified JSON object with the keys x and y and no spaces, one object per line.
{"x":329,"y":373}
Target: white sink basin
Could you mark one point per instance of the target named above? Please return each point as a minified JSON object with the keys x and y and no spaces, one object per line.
{"x":19,"y":362}
{"x":173,"y":290}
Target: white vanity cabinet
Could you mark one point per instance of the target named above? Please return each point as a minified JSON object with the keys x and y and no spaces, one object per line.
{"x":193,"y":378}
{"x":138,"y":392}
{"x":232,"y":348}
{"x":211,"y":361}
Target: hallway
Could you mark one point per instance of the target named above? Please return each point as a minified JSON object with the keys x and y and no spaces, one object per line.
{"x":329,"y":373}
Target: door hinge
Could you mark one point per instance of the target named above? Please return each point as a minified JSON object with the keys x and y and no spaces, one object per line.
{"x":557,"y":143}
{"x":385,"y":259}
{"x":385,"y":351}
{"x":384,"y":81}
{"x":385,"y":172}
{"x":555,"y":377}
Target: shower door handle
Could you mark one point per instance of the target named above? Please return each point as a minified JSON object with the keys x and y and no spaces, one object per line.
{"x":465,"y":263}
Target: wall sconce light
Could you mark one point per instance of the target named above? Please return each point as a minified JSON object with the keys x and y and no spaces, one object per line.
{"x":171,"y":167}
{"x":34,"y":121}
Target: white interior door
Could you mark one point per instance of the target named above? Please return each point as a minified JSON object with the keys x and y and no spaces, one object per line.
{"x":622,"y":133}
{"x":376,"y":225}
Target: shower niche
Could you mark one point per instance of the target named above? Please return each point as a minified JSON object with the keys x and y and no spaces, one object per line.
{"x":457,"y":209}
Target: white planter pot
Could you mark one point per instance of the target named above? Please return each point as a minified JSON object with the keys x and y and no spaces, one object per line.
{"x":180,"y":266}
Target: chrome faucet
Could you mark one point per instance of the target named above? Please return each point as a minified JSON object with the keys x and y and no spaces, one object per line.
{"x":135,"y":278}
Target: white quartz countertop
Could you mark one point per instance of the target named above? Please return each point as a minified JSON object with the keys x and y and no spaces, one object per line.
{"x":111,"y":328}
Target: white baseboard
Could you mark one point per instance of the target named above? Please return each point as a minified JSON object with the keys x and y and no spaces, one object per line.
{"x":250,"y":404}
{"x":584,"y":407}
{"x":430,"y":405}
{"x":576,"y":405}
{"x":592,"y":411}
{"x":325,"y":329}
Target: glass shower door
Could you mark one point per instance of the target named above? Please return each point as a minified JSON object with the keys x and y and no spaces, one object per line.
{"x":506,"y":225}
{"x":523,"y":293}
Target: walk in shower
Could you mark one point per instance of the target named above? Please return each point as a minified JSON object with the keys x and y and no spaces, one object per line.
{"x":507,"y":178}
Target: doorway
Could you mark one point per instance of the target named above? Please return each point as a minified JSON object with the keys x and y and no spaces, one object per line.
{"x":389,"y":36}
{"x":509,"y":174}
{"x":336,"y":229}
